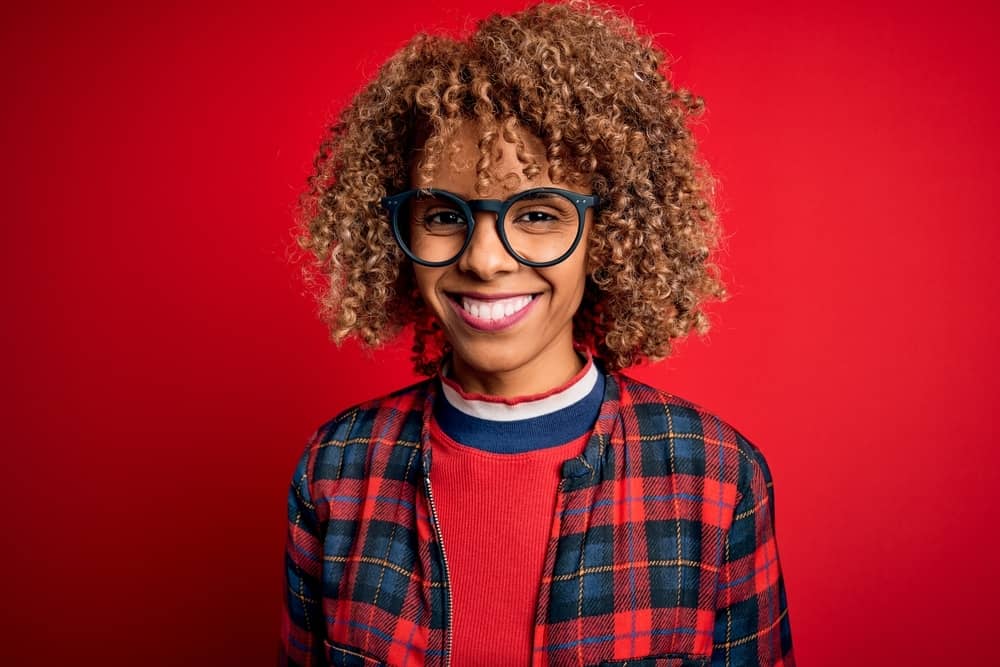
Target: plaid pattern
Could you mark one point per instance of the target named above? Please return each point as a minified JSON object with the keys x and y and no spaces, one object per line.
{"x":662,"y":551}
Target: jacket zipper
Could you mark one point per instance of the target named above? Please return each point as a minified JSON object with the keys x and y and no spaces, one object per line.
{"x":447,"y":580}
{"x":556,"y":517}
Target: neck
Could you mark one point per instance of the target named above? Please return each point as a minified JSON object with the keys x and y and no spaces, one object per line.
{"x":535,"y":377}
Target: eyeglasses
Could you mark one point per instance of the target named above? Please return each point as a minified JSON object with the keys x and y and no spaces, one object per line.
{"x":539,"y":227}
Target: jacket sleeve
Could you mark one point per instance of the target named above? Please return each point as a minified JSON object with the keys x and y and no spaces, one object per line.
{"x":303,"y":627}
{"x":751,"y":620}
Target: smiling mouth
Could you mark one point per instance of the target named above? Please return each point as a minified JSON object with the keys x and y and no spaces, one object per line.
{"x":491,"y":313}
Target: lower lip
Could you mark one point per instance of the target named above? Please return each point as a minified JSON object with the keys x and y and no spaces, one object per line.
{"x":492,"y":325}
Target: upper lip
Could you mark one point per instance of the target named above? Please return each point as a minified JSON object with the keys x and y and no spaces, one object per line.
{"x":480,"y":296}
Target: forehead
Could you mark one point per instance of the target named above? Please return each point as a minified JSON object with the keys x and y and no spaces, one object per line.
{"x":466,"y":164}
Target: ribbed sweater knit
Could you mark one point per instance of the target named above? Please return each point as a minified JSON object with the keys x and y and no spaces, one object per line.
{"x":495,"y":476}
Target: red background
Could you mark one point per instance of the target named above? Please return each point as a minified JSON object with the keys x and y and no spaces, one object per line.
{"x":164,"y":368}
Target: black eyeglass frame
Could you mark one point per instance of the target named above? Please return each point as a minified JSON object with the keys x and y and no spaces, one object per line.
{"x":500,"y":207}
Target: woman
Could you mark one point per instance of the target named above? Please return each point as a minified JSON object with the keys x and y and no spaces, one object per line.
{"x":529,"y":199}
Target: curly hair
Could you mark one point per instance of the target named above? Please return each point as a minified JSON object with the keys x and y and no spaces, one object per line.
{"x":597,"y":93}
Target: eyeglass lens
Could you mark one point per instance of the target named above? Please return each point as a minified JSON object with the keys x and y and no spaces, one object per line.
{"x":539,"y":227}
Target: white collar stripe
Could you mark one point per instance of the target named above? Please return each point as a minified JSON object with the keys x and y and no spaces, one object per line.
{"x":504,"y":412}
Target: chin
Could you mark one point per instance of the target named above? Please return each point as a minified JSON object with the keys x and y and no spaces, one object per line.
{"x":489,"y":358}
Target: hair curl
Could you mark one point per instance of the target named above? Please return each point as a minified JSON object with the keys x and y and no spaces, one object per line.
{"x":597,"y":94}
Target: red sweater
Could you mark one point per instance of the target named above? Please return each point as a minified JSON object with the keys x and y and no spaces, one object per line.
{"x":496,"y":513}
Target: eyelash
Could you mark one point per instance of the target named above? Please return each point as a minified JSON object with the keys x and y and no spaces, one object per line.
{"x":434,"y":218}
{"x":547,"y":217}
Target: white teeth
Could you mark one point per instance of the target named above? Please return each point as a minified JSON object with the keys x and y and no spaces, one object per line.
{"x":494,"y":310}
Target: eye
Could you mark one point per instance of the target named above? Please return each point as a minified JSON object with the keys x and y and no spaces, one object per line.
{"x":445,"y":218}
{"x":535,"y":216}
{"x":542,"y":211}
{"x":542,"y":216}
{"x":442,"y":221}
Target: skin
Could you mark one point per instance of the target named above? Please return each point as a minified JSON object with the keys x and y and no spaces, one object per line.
{"x":536,"y":353}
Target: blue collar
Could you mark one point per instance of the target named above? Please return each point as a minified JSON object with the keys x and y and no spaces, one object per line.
{"x":515,"y":436}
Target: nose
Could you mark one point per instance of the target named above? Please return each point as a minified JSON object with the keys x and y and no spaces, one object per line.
{"x":486,"y":256}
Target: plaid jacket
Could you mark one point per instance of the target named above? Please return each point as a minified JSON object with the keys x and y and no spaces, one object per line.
{"x":662,"y":551}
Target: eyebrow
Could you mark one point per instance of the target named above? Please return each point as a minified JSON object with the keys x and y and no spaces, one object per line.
{"x":531,"y":194}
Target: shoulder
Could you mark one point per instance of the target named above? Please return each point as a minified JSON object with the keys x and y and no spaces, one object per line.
{"x":695,"y":439}
{"x":341,"y":444}
{"x":359,"y":419}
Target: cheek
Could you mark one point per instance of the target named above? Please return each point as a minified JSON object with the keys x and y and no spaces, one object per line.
{"x":571,"y":279}
{"x":426,"y":279}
